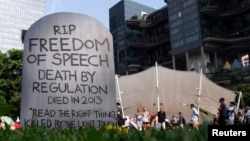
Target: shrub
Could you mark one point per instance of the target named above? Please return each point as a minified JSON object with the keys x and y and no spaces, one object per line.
{"x":106,"y":133}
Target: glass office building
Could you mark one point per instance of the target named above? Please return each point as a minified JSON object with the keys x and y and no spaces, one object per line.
{"x":196,"y":34}
{"x":16,"y":16}
{"x":208,"y":33}
{"x":185,"y":33}
{"x":118,"y":14}
{"x":148,"y":41}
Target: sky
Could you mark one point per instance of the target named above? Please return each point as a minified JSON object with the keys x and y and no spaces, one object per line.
{"x":98,"y":9}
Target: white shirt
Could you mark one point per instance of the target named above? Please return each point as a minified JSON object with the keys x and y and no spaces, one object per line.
{"x":232,"y":113}
{"x":194,"y":114}
{"x":145,"y":117}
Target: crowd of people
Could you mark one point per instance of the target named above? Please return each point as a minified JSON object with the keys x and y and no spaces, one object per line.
{"x":228,"y":115}
{"x":142,"y":120}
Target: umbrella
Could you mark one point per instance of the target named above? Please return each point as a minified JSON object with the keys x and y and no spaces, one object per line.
{"x":7,"y":119}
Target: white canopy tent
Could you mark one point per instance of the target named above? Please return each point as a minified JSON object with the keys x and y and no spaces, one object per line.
{"x":174,"y":90}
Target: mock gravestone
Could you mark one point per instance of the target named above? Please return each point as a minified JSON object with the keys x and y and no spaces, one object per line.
{"x":68,"y":73}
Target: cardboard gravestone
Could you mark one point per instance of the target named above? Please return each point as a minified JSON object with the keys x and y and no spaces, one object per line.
{"x":68,"y":73}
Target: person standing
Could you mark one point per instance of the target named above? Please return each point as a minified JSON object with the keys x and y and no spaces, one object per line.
{"x":231,"y":113}
{"x":222,"y":112}
{"x":138,"y":118}
{"x":194,"y":117}
{"x":161,"y":115}
{"x":119,"y":114}
{"x":246,"y":119}
{"x":145,"y":119}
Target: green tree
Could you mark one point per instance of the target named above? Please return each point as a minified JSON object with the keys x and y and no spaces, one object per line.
{"x":245,"y":89}
{"x":10,"y":80}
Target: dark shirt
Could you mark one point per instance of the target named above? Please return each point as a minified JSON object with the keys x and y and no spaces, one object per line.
{"x":119,"y":112}
{"x":181,"y":120}
{"x":223,"y":111}
{"x":119,"y":116}
{"x":222,"y":114}
{"x":161,"y":116}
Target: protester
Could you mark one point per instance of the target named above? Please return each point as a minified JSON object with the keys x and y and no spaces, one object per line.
{"x":231,"y":113}
{"x":194,"y":122}
{"x":161,"y":116}
{"x":174,"y":121}
{"x":145,"y":119}
{"x":247,"y":116}
{"x":181,"y":120}
{"x":120,"y":119}
{"x":127,"y":121}
{"x":138,"y":118}
{"x":222,"y":112}
{"x":239,"y":119}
